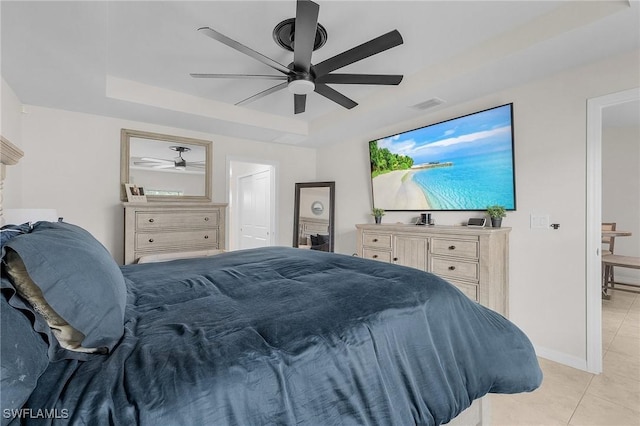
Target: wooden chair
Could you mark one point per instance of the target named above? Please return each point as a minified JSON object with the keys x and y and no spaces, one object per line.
{"x":608,"y":244}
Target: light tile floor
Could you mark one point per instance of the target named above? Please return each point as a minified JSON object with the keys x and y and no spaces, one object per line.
{"x":573,"y":397}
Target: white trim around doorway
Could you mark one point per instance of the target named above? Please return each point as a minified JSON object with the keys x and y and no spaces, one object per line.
{"x":595,"y":107}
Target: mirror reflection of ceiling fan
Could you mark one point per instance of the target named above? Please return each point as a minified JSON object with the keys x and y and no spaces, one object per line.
{"x":302,"y":35}
{"x":178,"y":163}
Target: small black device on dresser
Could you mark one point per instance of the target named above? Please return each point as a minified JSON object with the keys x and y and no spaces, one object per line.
{"x":477,"y":222}
{"x":425,"y":219}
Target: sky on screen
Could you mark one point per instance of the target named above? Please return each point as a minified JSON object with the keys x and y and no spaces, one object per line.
{"x":481,"y":133}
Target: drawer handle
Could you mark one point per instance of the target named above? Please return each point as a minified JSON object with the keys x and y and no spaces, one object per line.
{"x":452,"y":268}
{"x":375,"y":240}
{"x":206,"y":237}
{"x":375,"y":256}
{"x":452,"y":247}
{"x":150,"y":240}
{"x":151,"y":220}
{"x":206,"y":219}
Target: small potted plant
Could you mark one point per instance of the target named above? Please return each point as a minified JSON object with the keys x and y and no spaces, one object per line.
{"x":377,"y":214}
{"x":496,"y":213}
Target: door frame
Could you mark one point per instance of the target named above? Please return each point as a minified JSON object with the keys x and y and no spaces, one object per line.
{"x":595,"y":108}
{"x":232,"y":194}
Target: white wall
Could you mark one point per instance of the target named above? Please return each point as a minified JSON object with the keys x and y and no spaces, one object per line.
{"x":621,"y":191}
{"x":72,"y":164}
{"x":547,"y":267}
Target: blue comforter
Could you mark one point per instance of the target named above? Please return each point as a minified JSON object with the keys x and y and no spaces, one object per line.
{"x":282,"y":336}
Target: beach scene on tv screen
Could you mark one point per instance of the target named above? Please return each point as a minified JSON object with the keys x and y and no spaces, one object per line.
{"x":461,"y":164}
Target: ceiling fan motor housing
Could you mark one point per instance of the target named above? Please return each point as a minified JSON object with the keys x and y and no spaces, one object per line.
{"x":284,"y":35}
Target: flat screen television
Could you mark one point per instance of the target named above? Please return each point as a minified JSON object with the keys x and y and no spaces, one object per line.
{"x":466,"y":163}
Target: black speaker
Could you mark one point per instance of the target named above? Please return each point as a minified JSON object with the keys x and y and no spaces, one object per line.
{"x":477,"y":222}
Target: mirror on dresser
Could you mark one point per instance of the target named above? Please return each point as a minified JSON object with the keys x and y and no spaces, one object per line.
{"x":313,"y":218}
{"x":169,"y":168}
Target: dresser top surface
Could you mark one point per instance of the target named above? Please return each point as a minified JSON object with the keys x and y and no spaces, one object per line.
{"x":174,"y":205}
{"x":432,"y":229}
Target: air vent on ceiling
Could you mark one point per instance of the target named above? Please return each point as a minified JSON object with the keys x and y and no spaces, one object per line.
{"x":429,"y":103}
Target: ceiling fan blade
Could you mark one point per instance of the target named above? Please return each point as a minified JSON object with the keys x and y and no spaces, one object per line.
{"x":156,"y":160}
{"x":334,"y":95}
{"x":244,"y":49}
{"x":305,"y":34}
{"x":386,"y":79}
{"x":263,"y":93}
{"x":372,"y":47}
{"x":240,"y":76}
{"x":299,"y":103}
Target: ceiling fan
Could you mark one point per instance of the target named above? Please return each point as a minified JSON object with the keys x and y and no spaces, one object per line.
{"x":302,"y":35}
{"x":178,"y":162}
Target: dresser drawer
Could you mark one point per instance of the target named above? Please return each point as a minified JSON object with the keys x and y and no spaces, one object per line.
{"x":381,"y":255}
{"x":451,"y":247}
{"x":163,"y":240}
{"x":370,"y":239}
{"x":470,"y":290}
{"x":180,"y":220}
{"x":455,"y":268}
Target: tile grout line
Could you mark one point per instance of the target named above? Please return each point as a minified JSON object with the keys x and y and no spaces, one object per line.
{"x":586,"y":389}
{"x":606,"y":351}
{"x":581,"y":398}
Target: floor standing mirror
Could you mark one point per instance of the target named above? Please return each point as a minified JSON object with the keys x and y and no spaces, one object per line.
{"x":313,"y":217}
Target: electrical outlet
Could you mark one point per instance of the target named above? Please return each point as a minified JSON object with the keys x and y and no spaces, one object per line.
{"x":539,"y":221}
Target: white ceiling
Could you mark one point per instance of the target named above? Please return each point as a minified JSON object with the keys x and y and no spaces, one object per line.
{"x":132,"y":59}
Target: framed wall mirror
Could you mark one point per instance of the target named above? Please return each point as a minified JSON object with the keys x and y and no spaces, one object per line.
{"x":169,"y":168}
{"x":313,"y":216}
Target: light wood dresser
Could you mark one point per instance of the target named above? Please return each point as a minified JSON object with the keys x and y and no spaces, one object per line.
{"x":476,"y":260}
{"x":155,"y":228}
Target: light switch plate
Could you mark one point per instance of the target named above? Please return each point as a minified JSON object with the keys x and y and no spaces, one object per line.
{"x":539,"y":221}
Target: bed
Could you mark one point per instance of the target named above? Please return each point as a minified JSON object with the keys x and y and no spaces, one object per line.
{"x":270,"y":336}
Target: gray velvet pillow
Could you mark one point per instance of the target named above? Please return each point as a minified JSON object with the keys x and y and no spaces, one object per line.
{"x":77,"y":277}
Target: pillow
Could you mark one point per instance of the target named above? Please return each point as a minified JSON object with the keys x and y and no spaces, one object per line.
{"x":76,"y":277}
{"x":9,"y":231}
{"x":24,"y":357}
{"x":323,"y":239}
{"x":68,"y":337}
{"x":320,"y":242}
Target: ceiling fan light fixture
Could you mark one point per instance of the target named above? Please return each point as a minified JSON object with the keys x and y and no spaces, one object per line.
{"x":180,"y":164}
{"x":301,"y":87}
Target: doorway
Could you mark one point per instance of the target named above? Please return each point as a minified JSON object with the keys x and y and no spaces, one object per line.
{"x":252,"y":204}
{"x":595,"y":109}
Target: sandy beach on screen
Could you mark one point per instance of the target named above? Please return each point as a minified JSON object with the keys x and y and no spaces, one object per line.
{"x":396,"y":190}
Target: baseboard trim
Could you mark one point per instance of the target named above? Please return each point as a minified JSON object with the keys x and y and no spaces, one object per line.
{"x":561,"y":358}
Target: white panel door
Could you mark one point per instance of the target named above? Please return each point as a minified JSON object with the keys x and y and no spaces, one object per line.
{"x":255,"y":210}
